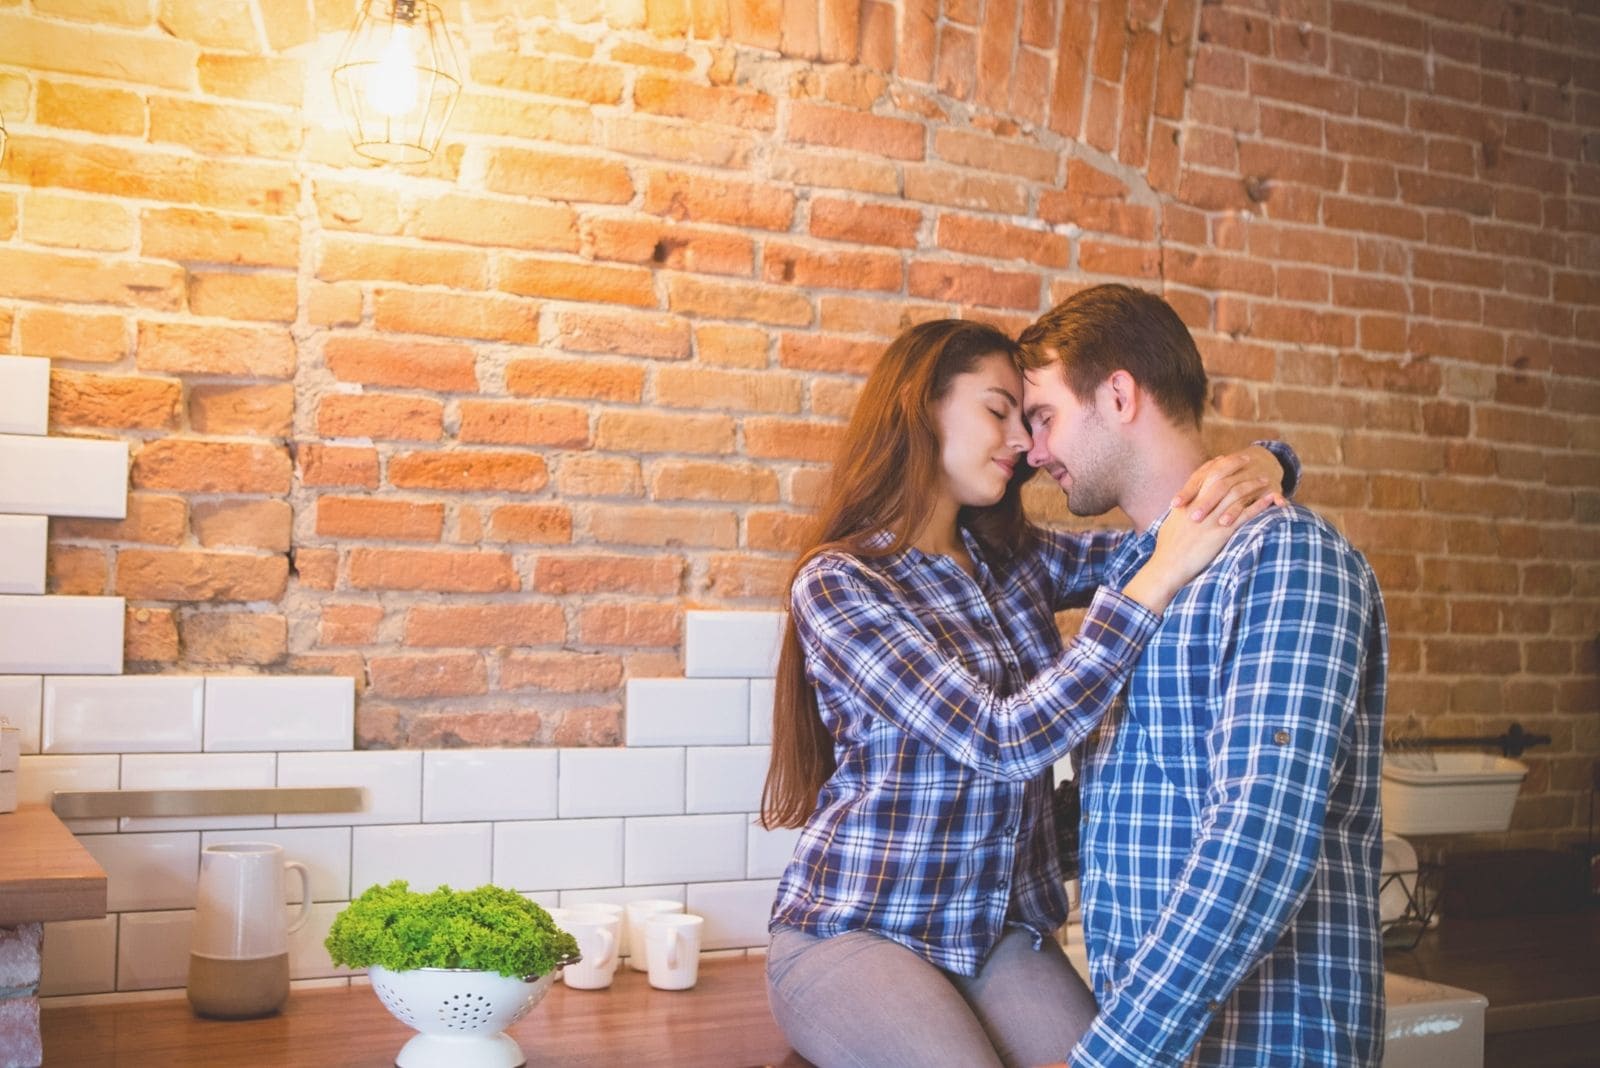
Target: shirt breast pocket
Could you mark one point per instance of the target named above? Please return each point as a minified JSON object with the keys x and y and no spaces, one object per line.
{"x":1172,"y":708}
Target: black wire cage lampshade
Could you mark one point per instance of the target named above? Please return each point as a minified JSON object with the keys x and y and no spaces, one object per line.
{"x":397,"y":81}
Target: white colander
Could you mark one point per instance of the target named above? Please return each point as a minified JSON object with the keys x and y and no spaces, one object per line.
{"x":461,"y":1013}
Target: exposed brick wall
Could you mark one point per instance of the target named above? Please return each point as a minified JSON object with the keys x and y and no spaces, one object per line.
{"x":478,"y":433}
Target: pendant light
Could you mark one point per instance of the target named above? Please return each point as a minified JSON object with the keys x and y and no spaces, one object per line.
{"x":397,"y":80}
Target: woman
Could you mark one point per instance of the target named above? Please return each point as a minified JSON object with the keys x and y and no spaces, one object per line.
{"x":922,"y":697}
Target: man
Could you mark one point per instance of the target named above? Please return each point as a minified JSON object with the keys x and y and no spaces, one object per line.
{"x":1231,"y":838}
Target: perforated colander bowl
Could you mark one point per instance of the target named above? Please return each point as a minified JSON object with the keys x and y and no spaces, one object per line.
{"x":461,"y":1014}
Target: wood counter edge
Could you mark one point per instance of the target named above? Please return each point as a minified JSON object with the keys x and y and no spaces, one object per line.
{"x":45,"y":873}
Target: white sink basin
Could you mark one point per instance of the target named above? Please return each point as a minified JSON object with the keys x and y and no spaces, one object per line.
{"x":1429,"y":1024}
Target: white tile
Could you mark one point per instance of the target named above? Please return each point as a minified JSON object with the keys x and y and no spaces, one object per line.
{"x":41,"y":776}
{"x":308,"y":957}
{"x":197,"y":771}
{"x":392,"y":780}
{"x":684,"y":849}
{"x":731,"y":645}
{"x":726,"y":778}
{"x":761,"y":698}
{"x":20,"y":704}
{"x":488,"y":784}
{"x":147,"y":871}
{"x":153,"y":950}
{"x":279,"y":713}
{"x":60,"y":635}
{"x":126,"y":714}
{"x":558,"y":854}
{"x":426,"y":855}
{"x":24,"y":395}
{"x":768,"y":852}
{"x":736,"y":913}
{"x":547,"y":898}
{"x":688,"y":712}
{"x":63,"y":476}
{"x":621,"y":782}
{"x":22,"y":551}
{"x":80,"y":957}
{"x":325,"y":851}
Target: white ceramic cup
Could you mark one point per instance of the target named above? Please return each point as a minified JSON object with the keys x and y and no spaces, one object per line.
{"x":608,"y":909}
{"x":239,"y":907}
{"x":598,"y":935}
{"x":639,"y":912}
{"x":673,"y":941}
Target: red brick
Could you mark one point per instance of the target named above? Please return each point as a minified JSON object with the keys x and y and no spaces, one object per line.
{"x":704,"y":104}
{"x":594,"y":83}
{"x":224,"y":129}
{"x":829,"y":170}
{"x":855,"y":131}
{"x":247,"y":524}
{"x":731,"y":346}
{"x":576,"y":280}
{"x":957,"y":189}
{"x":443,"y":571}
{"x":631,"y":624}
{"x":718,"y":200}
{"x":516,"y":423}
{"x":316,"y":569}
{"x":533,"y":524}
{"x":445,"y":675}
{"x":261,"y":79}
{"x":403,"y":364}
{"x":345,"y":259}
{"x":85,"y":336}
{"x":599,"y":476}
{"x":474,"y":220}
{"x":556,"y":176}
{"x":143,"y":174}
{"x":120,"y":402}
{"x":211,"y":467}
{"x":186,"y":348}
{"x":696,"y":387}
{"x":97,"y":109}
{"x":150,"y":635}
{"x":372,"y":517}
{"x":151,"y":519}
{"x":783,"y":532}
{"x":865,"y":222}
{"x":76,"y":571}
{"x":629,"y":525}
{"x":791,"y":439}
{"x":679,"y":248}
{"x":336,"y":465}
{"x":613,"y":381}
{"x":87,"y":279}
{"x":830,"y":269}
{"x":349,"y":624}
{"x":970,"y":284}
{"x":664,"y":337}
{"x":664,"y":139}
{"x":463,"y":471}
{"x":261,"y":296}
{"x":158,"y":575}
{"x":211,"y":237}
{"x":820,"y":352}
{"x":469,"y":315}
{"x":704,"y":481}
{"x":560,"y":672}
{"x":687,"y":295}
{"x":999,"y":240}
{"x":663,"y":432}
{"x":76,"y":222}
{"x":259,"y":639}
{"x":485,"y":626}
{"x":597,"y":573}
{"x":384,"y":417}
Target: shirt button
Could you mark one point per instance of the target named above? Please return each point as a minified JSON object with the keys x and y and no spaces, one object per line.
{"x":1282,"y":737}
{"x":1106,"y":986}
{"x":1213,"y":1006}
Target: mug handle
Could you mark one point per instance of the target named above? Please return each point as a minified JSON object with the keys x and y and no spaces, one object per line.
{"x":305,"y":895}
{"x":608,"y":950}
{"x":672,"y":947}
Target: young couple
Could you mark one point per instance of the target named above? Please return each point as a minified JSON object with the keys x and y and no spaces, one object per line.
{"x":1230,"y":829}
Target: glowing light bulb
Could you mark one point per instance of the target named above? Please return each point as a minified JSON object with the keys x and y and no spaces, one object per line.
{"x":392,"y":82}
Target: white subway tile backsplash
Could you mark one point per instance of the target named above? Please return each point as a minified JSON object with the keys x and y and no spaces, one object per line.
{"x":488,"y":784}
{"x":280,"y":712}
{"x":153,"y":950}
{"x":726,"y":778}
{"x":688,"y":712}
{"x":60,"y":635}
{"x":768,"y":852}
{"x":736,"y":912}
{"x":24,"y":395}
{"x":392,"y":780}
{"x":621,"y":782}
{"x":63,"y":476}
{"x":22,"y":552}
{"x":147,"y":871}
{"x":761,"y":698}
{"x":21,"y":699}
{"x":721,"y":645}
{"x":308,"y":957}
{"x":325,"y":851}
{"x":124,"y":714}
{"x":426,"y":855}
{"x":684,"y":849}
{"x":558,"y":854}
{"x":41,"y":776}
{"x":80,"y":957}
{"x":197,"y":771}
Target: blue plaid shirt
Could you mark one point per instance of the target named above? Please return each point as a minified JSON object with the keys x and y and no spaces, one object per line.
{"x":1231,"y":840}
{"x":937,"y":830}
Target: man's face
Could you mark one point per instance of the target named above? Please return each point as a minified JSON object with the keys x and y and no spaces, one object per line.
{"x":1072,"y":442}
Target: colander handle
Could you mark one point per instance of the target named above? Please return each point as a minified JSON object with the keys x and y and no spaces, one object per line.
{"x":305,"y":895}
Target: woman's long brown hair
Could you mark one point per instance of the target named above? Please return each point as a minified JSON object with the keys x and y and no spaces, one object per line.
{"x":884,"y":480}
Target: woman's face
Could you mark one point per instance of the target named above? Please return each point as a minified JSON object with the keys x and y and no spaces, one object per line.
{"x":981,"y":432}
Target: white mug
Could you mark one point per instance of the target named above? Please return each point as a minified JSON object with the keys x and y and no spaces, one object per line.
{"x":606,"y":908}
{"x":673,"y":942}
{"x":598,"y":934}
{"x":239,"y":907}
{"x":639,"y":912}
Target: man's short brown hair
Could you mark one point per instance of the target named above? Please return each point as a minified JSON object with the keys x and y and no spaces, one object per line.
{"x":1111,"y":328}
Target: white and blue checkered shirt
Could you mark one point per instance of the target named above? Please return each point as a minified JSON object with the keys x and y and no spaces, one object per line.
{"x":949,"y":699}
{"x":1231,"y":838}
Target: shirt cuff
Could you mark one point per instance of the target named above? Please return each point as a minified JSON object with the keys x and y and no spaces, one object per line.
{"x":1116,"y":626}
{"x":1290,"y":461}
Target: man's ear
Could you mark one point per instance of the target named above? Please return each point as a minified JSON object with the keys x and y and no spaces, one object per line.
{"x":1123,"y":396}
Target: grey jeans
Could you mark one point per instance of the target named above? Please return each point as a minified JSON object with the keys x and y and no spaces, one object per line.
{"x":859,"y":1000}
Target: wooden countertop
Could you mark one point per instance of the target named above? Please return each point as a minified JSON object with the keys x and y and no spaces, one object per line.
{"x":1536,"y":971}
{"x":723,"y":1021}
{"x":45,"y":874}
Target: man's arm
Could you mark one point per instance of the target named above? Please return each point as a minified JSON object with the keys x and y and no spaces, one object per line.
{"x":1290,"y":679}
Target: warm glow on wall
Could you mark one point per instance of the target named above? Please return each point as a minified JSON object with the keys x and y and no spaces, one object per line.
{"x":397,"y":80}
